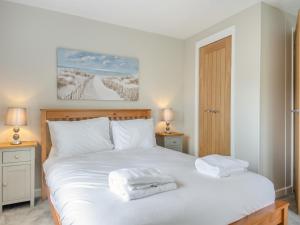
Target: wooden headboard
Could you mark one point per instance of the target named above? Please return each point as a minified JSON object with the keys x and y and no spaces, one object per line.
{"x":80,"y":114}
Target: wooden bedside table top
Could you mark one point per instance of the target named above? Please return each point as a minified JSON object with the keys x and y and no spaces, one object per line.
{"x":24,"y":144}
{"x":169,"y":134}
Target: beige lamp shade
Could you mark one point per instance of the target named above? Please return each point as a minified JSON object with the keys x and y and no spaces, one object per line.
{"x":16,"y":116}
{"x":168,"y":114}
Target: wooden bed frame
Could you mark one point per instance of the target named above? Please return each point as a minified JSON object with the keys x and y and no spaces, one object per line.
{"x":273,"y":214}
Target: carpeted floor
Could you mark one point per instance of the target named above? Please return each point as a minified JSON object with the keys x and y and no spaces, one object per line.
{"x":22,"y":214}
{"x":40,"y":214}
{"x":294,"y":219}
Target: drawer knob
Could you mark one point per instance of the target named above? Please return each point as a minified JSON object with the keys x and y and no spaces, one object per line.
{"x":4,"y":184}
{"x":17,"y":157}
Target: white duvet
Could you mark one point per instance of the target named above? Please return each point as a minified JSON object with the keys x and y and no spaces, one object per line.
{"x":79,"y":190}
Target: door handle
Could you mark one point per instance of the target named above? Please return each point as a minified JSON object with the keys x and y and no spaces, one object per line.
{"x":295,"y":110}
{"x":211,"y":111}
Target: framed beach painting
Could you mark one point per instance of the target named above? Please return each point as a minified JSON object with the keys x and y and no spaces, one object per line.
{"x":83,"y":75}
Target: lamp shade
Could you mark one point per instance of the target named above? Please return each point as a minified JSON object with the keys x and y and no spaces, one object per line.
{"x":168,"y":114}
{"x":16,"y":116}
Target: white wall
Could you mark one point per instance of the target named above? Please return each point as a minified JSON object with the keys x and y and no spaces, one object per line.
{"x":246,"y":83}
{"x":276,"y":86}
{"x":29,"y":38}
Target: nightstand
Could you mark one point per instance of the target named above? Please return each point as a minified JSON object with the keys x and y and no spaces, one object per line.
{"x":172,"y":140}
{"x":17,"y":165}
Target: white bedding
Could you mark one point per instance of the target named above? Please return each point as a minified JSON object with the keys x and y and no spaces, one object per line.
{"x":79,"y":190}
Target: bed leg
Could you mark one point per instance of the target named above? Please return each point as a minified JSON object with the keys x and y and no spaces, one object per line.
{"x":44,"y":187}
{"x":285,"y":211}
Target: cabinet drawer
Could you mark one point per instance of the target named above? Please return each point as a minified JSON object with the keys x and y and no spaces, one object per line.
{"x":173,"y":141}
{"x":175,"y":147}
{"x":16,"y":156}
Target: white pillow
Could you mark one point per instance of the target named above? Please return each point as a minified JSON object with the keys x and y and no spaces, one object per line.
{"x":133,"y":134}
{"x":52,"y":152}
{"x":78,"y":137}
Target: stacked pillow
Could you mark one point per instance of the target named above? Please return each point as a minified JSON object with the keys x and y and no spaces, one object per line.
{"x":93,"y":135}
{"x":75,"y":137}
{"x":133,"y":134}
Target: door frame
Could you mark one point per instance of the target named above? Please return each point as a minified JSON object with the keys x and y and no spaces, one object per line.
{"x":292,"y":114}
{"x":230,"y":31}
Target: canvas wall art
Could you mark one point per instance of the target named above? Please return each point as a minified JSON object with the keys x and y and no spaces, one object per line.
{"x":85,"y":75}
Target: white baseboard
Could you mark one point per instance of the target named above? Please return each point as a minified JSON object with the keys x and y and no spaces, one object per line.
{"x":283,"y":191}
{"x":37,"y":193}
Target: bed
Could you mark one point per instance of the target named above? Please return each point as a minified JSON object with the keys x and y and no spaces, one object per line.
{"x":78,"y":193}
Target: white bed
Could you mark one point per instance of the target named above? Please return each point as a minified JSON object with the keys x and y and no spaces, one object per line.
{"x":79,"y":191}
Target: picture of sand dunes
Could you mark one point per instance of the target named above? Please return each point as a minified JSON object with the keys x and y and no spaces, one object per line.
{"x":93,"y":76}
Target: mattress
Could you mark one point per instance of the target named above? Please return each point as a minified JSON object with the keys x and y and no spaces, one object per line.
{"x":79,"y":191}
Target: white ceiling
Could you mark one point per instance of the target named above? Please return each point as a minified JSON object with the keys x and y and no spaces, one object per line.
{"x":175,"y":18}
{"x":291,"y":6}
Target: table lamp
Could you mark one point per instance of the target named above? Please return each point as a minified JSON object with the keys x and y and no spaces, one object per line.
{"x":168,"y":116}
{"x":16,"y":117}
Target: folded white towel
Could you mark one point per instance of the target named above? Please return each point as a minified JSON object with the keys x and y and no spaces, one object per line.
{"x":127,"y":195}
{"x":220,"y":166}
{"x":139,"y":176}
{"x":144,"y":186}
{"x":134,"y":183}
{"x":225,"y":161}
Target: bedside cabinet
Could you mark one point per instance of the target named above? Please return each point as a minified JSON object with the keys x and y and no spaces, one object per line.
{"x":172,"y":141}
{"x":17,"y":164}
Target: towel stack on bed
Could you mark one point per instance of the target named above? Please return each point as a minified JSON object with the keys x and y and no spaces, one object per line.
{"x":135,"y":183}
{"x":220,"y":166}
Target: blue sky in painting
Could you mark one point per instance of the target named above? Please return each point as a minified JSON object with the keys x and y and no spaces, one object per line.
{"x":96,"y":62}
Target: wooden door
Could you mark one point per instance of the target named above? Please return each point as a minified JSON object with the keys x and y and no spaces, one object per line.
{"x":296,"y":112}
{"x":215,"y":82}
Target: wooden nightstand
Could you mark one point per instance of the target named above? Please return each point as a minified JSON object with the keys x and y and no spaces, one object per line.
{"x":17,"y":165}
{"x":172,"y":141}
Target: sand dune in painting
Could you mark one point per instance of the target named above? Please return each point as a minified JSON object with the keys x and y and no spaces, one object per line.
{"x":74,"y":84}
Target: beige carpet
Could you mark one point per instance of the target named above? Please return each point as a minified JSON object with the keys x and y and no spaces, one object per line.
{"x":40,"y":214}
{"x":294,"y":219}
{"x":22,"y":214}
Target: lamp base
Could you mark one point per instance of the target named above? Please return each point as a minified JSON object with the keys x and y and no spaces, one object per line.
{"x":16,"y":137}
{"x":16,"y":142}
{"x":167,"y":130}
